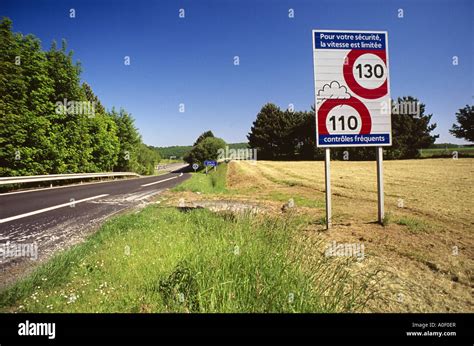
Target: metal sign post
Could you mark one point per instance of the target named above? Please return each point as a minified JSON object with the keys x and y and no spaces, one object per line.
{"x":210,"y":163}
{"x":327,"y":176}
{"x":380,"y":193}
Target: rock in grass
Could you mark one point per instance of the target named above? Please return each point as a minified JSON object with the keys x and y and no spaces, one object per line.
{"x":288,"y":205}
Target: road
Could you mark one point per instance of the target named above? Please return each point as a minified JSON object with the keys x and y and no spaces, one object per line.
{"x":55,"y":218}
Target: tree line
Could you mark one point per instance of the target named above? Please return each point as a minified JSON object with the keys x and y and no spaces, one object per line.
{"x":53,"y":123}
{"x":180,"y":151}
{"x":291,"y":135}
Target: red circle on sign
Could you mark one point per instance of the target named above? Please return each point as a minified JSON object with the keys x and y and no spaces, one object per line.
{"x":351,"y":81}
{"x":353,"y":102}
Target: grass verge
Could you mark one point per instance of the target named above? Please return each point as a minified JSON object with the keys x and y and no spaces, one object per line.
{"x":213,"y":182}
{"x":167,"y":260}
{"x":299,"y":200}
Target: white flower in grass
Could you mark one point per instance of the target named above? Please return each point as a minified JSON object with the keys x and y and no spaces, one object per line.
{"x":72,"y":298}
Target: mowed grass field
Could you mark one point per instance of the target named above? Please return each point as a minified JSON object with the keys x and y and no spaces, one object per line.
{"x":439,"y":190}
{"x":425,"y":249}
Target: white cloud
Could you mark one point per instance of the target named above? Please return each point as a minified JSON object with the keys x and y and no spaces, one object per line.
{"x":333,"y":91}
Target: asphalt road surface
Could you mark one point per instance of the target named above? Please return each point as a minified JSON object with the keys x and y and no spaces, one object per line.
{"x":53,"y":219}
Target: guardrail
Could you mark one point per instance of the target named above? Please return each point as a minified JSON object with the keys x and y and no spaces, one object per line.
{"x":170,"y":166}
{"x":54,"y":177}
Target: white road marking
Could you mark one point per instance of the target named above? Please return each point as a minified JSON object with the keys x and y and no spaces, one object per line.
{"x":72,"y":185}
{"x":50,"y":208}
{"x":157,"y":182}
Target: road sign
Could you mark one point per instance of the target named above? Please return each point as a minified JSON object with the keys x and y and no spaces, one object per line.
{"x":195,"y":166}
{"x":210,"y":163}
{"x":352,"y":94}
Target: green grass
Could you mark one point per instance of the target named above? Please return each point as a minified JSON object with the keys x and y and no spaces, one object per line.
{"x":300,"y":201}
{"x":412,"y":224}
{"x":213,"y":182}
{"x":166,"y":260}
{"x":387,"y":219}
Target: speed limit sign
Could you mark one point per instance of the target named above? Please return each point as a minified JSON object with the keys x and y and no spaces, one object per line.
{"x":351,"y":77}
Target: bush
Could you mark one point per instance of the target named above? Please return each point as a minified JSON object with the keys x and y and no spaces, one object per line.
{"x":207,"y":149}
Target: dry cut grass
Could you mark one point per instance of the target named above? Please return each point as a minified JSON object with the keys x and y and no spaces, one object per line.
{"x":426,"y":248}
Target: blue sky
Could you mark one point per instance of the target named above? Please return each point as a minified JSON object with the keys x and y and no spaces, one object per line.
{"x":190,"y":60}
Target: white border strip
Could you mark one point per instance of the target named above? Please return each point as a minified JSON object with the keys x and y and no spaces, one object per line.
{"x":50,"y":208}
{"x":157,"y":182}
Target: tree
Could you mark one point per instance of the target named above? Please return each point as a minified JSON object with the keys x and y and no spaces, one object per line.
{"x":25,"y":143}
{"x":71,"y":138}
{"x":44,"y":126}
{"x":410,"y":132}
{"x":91,"y":97}
{"x":176,"y":151}
{"x":207,"y":149}
{"x":272,"y":133}
{"x":148,"y":158}
{"x":103,"y":133}
{"x":465,"y":119}
{"x":203,"y":136}
{"x":129,"y":139}
{"x":305,"y":134}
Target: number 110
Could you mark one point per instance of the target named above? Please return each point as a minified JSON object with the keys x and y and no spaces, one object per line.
{"x":351,"y":122}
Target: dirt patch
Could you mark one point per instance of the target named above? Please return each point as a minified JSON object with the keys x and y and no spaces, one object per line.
{"x":223,"y":206}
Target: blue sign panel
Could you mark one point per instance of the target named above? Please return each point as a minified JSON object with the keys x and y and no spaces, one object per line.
{"x":210,"y":163}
